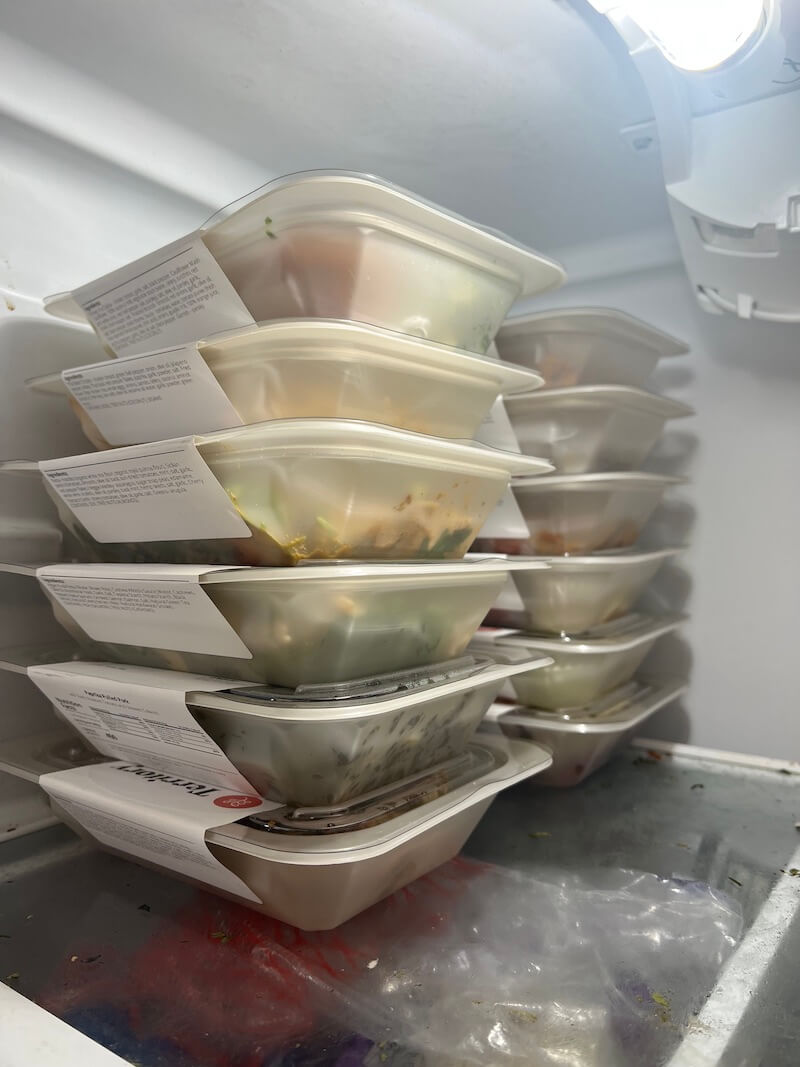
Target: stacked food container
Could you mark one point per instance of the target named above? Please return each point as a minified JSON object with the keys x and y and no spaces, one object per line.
{"x":597,"y":424}
{"x":286,"y":491}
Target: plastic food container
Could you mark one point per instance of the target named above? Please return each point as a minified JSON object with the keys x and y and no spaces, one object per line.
{"x":583,"y":739}
{"x":349,"y":246}
{"x":577,"y":593}
{"x":325,"y":744}
{"x":318,"y":368}
{"x":318,"y":881}
{"x":333,"y":489}
{"x":591,"y":427}
{"x":573,"y":514}
{"x":316,"y":867}
{"x":322,"y":622}
{"x":583,"y":668}
{"x":586,"y":346}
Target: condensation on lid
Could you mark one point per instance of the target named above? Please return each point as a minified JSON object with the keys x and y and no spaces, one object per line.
{"x":605,"y":322}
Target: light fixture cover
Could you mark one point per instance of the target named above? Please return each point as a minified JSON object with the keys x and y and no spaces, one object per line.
{"x":694,"y":35}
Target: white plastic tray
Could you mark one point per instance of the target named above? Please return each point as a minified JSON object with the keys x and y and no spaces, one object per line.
{"x":574,"y":594}
{"x":591,"y":427}
{"x":303,"y":488}
{"x":574,"y":514}
{"x":586,"y":346}
{"x":583,"y":743}
{"x":584,"y":667}
{"x":332,"y":245}
{"x":318,"y":622}
{"x":291,"y":368}
{"x":325,"y":747}
{"x":320,"y":883}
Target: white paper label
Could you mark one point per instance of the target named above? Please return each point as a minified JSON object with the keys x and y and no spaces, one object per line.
{"x":153,"y":396}
{"x":171,"y":612}
{"x":140,"y":715}
{"x":171,"y":297}
{"x":506,"y":520}
{"x":157,"y":492}
{"x":153,"y":816}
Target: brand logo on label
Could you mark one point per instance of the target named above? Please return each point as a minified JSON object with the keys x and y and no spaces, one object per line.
{"x":237,"y":800}
{"x":196,"y":789}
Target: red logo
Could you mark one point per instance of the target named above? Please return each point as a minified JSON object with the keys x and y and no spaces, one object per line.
{"x":238,"y":800}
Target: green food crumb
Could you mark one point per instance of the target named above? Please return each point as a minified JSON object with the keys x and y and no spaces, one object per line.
{"x":267,"y":220}
{"x":523,"y":1016}
{"x":221,"y":936}
{"x":660,"y":999}
{"x":269,"y":233}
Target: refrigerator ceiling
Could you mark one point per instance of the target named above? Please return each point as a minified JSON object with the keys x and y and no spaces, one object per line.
{"x":128,"y":124}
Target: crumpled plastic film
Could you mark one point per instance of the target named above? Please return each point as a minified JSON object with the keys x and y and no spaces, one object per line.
{"x":471,"y":964}
{"x":479,"y":964}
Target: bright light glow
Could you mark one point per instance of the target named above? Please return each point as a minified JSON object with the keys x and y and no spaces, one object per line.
{"x":693,"y":34}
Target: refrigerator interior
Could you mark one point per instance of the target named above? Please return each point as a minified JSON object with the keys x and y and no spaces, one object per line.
{"x":123,"y":126}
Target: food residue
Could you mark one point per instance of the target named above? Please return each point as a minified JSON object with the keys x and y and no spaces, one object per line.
{"x":523,"y":1016}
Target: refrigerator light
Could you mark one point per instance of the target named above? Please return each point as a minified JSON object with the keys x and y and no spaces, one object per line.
{"x":694,"y":35}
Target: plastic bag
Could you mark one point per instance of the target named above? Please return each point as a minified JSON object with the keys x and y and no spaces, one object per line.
{"x":478,"y":964}
{"x":470,"y":964}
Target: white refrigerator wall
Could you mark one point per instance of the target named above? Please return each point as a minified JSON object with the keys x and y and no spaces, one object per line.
{"x":739,"y":578}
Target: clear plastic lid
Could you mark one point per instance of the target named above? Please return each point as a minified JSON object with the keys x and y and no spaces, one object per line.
{"x":364,"y":199}
{"x":304,"y":570}
{"x":347,"y":438}
{"x":619,"y":635}
{"x":615,"y":712}
{"x":365,"y":697}
{"x":367,"y":440}
{"x":254,"y":344}
{"x":620,"y":480}
{"x":372,"y":809}
{"x":603,"y":322}
{"x":619,"y":396}
{"x":509,"y":761}
{"x":605,"y":559}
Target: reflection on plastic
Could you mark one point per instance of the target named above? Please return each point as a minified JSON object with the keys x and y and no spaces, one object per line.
{"x":493,"y":967}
